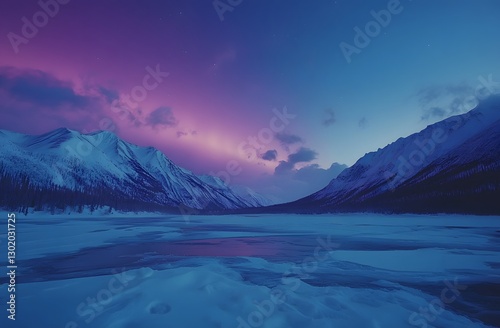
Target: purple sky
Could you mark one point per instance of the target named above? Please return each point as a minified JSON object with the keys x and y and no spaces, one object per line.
{"x":227,"y":78}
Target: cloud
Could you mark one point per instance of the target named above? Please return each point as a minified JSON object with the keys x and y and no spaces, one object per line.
{"x":462,"y":105}
{"x":162,"y":116}
{"x":294,"y":184}
{"x":110,"y":95}
{"x":40,"y":89}
{"x":283,"y":167}
{"x":270,"y":155}
{"x":459,"y":89}
{"x":433,"y":112}
{"x":363,"y":123}
{"x":51,"y":102}
{"x":181,"y":134}
{"x":438,"y":102}
{"x":184,"y":133}
{"x":317,"y":176}
{"x":429,"y":94}
{"x":302,"y":155}
{"x":120,"y":111}
{"x":288,"y":139}
{"x":329,"y":117}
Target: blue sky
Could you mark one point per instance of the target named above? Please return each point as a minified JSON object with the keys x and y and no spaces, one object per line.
{"x":226,"y":76}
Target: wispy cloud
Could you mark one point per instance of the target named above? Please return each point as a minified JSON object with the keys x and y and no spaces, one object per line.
{"x":162,"y":116}
{"x":363,"y":122}
{"x":55,"y":102}
{"x":184,"y":133}
{"x":433,"y":112}
{"x":181,"y":134}
{"x":440,"y":101}
{"x":329,"y":117}
{"x":40,"y":89}
{"x":288,"y":139}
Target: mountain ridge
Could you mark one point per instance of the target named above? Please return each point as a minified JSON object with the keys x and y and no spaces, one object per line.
{"x":71,"y":161}
{"x":451,"y":166}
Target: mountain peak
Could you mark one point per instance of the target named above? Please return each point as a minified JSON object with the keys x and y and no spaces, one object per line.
{"x":489,"y":106}
{"x":103,"y":134}
{"x":59,"y":132}
{"x":50,"y":139}
{"x":62,"y":130}
{"x":123,"y":174}
{"x":454,"y":161}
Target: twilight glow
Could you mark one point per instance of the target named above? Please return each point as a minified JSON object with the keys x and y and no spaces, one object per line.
{"x":263,"y":91}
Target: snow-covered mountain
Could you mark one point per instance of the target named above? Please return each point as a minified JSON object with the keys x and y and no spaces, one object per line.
{"x":104,"y":165}
{"x":252,"y":196}
{"x":450,"y":166}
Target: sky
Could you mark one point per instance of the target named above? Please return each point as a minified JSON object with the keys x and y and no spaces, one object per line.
{"x":263,"y":94}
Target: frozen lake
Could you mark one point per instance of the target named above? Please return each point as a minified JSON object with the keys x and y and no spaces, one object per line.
{"x":257,"y":271}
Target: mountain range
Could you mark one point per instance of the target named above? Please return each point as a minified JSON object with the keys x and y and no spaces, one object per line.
{"x":100,"y":169}
{"x":452,"y":166}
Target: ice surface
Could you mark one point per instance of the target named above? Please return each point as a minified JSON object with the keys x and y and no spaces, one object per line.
{"x":352,"y":270}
